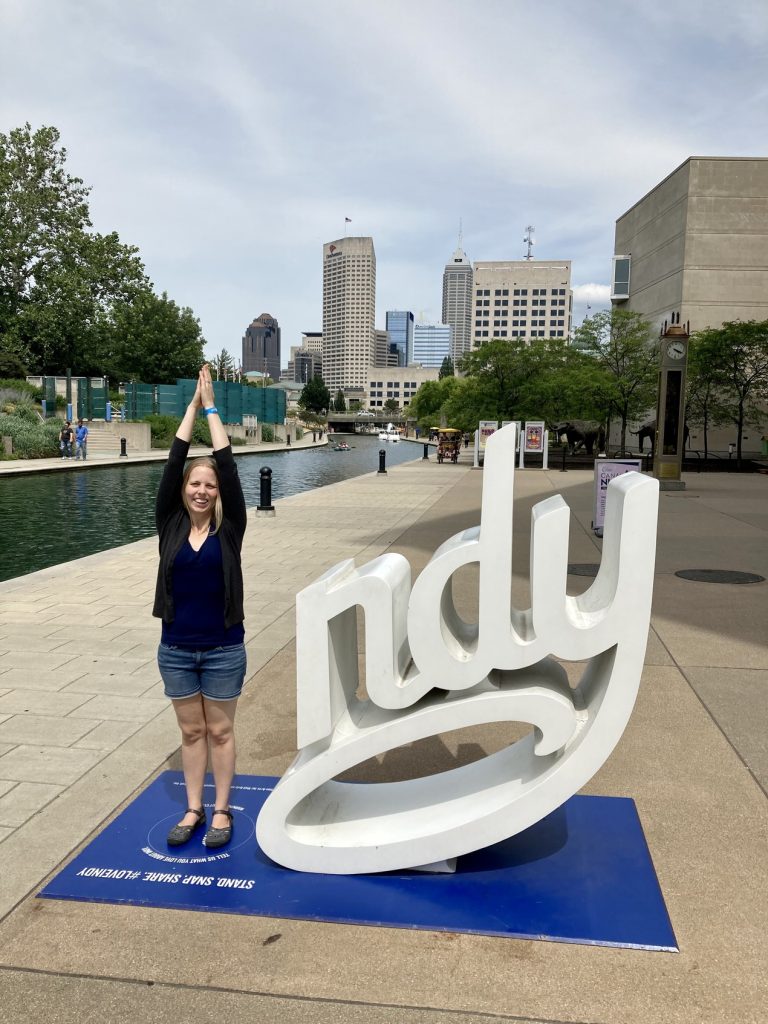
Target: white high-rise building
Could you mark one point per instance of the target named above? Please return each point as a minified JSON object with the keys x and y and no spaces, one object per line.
{"x":527,"y":299}
{"x":457,"y":302}
{"x":349,"y":311}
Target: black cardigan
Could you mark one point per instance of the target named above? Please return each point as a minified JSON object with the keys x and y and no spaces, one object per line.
{"x":173,"y":526}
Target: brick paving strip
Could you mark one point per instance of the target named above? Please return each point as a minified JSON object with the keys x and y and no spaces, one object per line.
{"x":83,"y":718}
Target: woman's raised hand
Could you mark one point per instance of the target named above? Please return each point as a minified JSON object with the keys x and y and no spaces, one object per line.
{"x":205,"y":387}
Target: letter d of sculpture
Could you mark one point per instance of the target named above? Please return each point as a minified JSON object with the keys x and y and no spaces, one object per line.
{"x":429,"y":672}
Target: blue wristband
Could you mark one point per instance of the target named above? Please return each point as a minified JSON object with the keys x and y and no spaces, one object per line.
{"x":209,"y":411}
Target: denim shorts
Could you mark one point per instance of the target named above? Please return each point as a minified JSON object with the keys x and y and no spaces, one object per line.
{"x":217,"y":673}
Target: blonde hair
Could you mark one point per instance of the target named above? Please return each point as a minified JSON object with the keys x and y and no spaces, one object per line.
{"x":218,"y":509}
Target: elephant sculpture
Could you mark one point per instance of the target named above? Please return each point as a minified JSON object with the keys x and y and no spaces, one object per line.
{"x":581,"y":433}
{"x":648,"y":429}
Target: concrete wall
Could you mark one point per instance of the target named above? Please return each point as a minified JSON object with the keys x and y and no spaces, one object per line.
{"x":699,"y":246}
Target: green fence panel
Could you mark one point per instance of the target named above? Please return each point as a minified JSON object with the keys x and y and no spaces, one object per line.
{"x":233,"y":400}
{"x":83,"y":408}
{"x":169,"y":400}
{"x":139,"y":400}
{"x":234,"y":393}
{"x":49,"y":394}
{"x":98,"y":409}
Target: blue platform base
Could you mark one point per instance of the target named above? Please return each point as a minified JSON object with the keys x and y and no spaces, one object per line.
{"x":583,"y":875}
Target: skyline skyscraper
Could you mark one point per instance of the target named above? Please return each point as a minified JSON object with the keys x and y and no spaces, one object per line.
{"x":261,"y":346}
{"x":526,"y":299}
{"x":457,"y":302}
{"x":400,"y":329}
{"x":431,"y":344}
{"x":349,"y":311}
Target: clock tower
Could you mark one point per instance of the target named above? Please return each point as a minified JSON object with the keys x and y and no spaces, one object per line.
{"x":670,"y":406}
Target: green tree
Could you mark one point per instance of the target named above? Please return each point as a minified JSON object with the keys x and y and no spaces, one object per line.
{"x":736,"y":360}
{"x":447,"y":368}
{"x":467,"y":404}
{"x":223,"y":366}
{"x":391,"y":405}
{"x":59,"y":282}
{"x":155,"y":341}
{"x":703,"y":402}
{"x":503,"y":370}
{"x":427,"y":404}
{"x":340,"y":404}
{"x":315,"y":396}
{"x":621,"y":343}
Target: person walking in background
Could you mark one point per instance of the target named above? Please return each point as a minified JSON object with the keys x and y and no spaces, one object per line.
{"x":81,"y":440}
{"x":201,"y":518}
{"x":65,"y":440}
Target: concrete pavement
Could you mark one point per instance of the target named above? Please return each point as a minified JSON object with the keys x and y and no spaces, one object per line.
{"x":96,"y":458}
{"x":85,"y":726}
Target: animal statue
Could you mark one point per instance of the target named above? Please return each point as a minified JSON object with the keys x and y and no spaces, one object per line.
{"x":581,"y":433}
{"x":648,"y":429}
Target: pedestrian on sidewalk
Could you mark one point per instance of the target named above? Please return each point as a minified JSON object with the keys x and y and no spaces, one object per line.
{"x":201,"y":519}
{"x":65,"y":440}
{"x":81,"y":441}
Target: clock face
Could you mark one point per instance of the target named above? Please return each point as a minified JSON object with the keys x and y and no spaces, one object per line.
{"x":676,"y":350}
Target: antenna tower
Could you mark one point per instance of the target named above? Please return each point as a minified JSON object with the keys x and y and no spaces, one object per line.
{"x":529,"y":241}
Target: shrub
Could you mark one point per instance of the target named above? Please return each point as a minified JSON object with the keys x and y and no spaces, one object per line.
{"x":267,"y":433}
{"x":31,"y":440}
{"x":201,"y":433}
{"x":21,"y":387}
{"x":163,"y":430}
{"x":23,"y":407}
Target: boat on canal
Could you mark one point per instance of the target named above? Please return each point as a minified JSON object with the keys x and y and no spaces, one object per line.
{"x":390,"y":434}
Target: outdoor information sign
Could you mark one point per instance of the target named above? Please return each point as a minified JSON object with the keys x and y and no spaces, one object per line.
{"x":605,"y":471}
{"x":534,"y":436}
{"x":518,"y":430}
{"x":485,"y":430}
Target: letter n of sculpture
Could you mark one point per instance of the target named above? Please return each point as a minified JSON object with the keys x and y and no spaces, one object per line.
{"x":429,"y":672}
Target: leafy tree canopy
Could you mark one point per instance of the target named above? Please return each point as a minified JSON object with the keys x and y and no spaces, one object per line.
{"x":155,"y":341}
{"x":339,"y":403}
{"x":728,"y":375}
{"x":66,"y":292}
{"x":429,"y":400}
{"x":447,"y":368}
{"x":223,"y":366}
{"x":315,"y":396}
{"x":621,"y":343}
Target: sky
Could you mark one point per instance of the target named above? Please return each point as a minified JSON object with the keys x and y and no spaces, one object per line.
{"x":229,"y":141}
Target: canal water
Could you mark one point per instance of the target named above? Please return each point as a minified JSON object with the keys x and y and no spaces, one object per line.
{"x":48,"y":518}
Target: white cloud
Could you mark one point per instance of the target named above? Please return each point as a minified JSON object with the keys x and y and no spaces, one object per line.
{"x":599,"y":294}
{"x":230,"y":146}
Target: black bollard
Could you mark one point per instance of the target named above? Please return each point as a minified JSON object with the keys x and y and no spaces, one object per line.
{"x":123,"y":452}
{"x":562,"y":468}
{"x":382,"y":461}
{"x":426,"y":452}
{"x":265,"y":499}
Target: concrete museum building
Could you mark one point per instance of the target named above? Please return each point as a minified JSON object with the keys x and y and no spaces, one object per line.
{"x":697,"y":245}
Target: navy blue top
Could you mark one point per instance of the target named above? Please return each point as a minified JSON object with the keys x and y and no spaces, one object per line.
{"x":198,"y":600}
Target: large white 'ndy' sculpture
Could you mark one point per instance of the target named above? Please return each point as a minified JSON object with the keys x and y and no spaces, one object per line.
{"x":428,"y":672}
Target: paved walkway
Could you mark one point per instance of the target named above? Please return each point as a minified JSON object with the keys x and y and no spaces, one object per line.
{"x":84,"y":725}
{"x":23,"y":467}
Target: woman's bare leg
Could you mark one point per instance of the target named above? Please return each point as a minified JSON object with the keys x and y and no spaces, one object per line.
{"x":220,"y":721}
{"x":190,"y":714}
